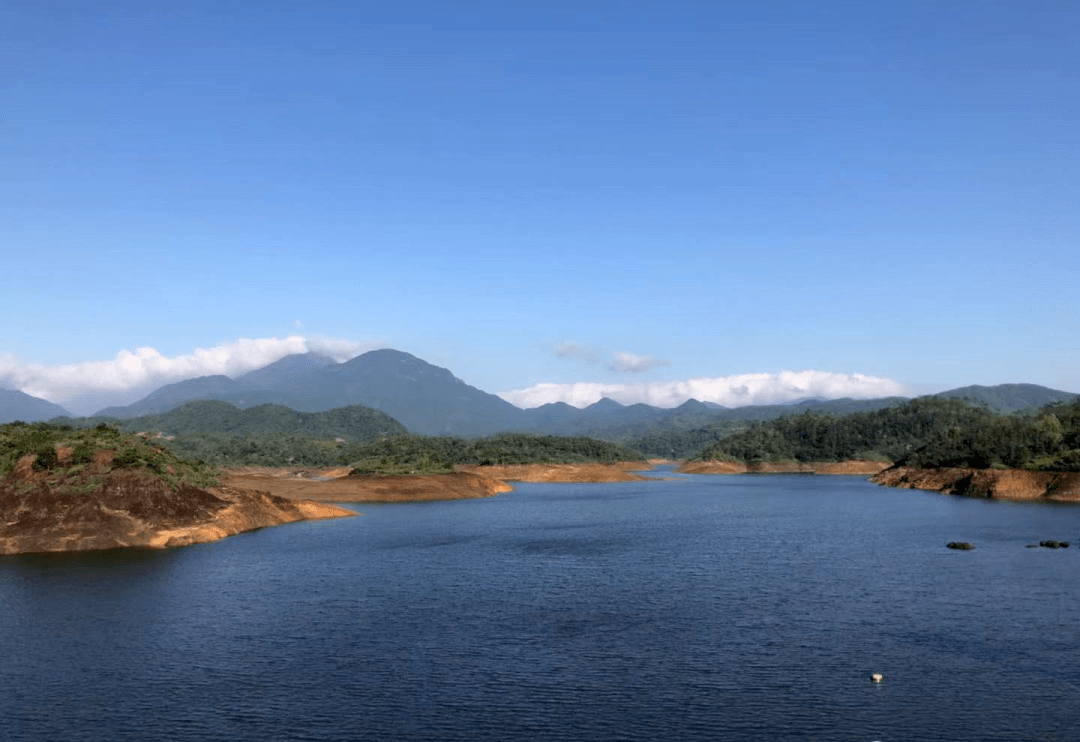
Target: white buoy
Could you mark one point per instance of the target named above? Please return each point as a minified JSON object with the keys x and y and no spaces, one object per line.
{"x":877,"y":677}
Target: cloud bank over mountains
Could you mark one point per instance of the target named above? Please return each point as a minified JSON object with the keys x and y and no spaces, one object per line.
{"x":730,"y":391}
{"x":84,"y":388}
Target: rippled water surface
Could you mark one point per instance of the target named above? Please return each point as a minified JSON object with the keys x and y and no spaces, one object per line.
{"x":700,"y":608}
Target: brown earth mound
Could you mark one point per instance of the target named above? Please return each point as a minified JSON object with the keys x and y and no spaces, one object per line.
{"x":1006,"y":484}
{"x":335,"y":485}
{"x":563,"y":473}
{"x":852,"y":466}
{"x":102,"y":509}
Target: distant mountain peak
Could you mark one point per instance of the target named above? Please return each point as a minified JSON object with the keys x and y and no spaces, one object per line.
{"x":285,"y":369}
{"x":16,"y":405}
{"x":605,"y":403}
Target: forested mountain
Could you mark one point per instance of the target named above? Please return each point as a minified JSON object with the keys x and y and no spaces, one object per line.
{"x":355,"y":423}
{"x":889,"y":433}
{"x":1044,"y":441}
{"x":171,"y":396}
{"x":425,"y":398}
{"x":680,"y":437}
{"x":284,"y":372}
{"x":925,"y":433}
{"x":21,"y":406}
{"x":267,"y":435}
{"x":1009,"y":398}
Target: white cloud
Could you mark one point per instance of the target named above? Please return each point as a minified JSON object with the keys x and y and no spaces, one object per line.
{"x":620,"y":361}
{"x":730,"y":391}
{"x":577,"y":351}
{"x":86,"y":387}
{"x":635,"y":364}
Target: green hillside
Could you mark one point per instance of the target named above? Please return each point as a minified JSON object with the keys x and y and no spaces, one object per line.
{"x":926,"y":433}
{"x":1010,"y":398}
{"x":889,"y":433}
{"x":411,"y":453}
{"x":353,"y":423}
{"x":48,"y":443}
{"x":1045,"y":441}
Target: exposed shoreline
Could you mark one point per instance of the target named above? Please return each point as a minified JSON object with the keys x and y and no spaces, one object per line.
{"x":851,"y":466}
{"x":1000,"y":484}
{"x":133,"y":509}
{"x":336,"y":485}
{"x":585,"y":473}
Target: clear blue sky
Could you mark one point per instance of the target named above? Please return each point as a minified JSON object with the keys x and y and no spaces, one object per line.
{"x":720,"y":188}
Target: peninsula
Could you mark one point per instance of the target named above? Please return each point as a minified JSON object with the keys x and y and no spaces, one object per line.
{"x":68,"y":490}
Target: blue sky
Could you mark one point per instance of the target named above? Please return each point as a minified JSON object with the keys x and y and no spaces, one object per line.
{"x":521,"y":192}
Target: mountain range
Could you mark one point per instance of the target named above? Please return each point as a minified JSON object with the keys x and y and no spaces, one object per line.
{"x":430,"y":400}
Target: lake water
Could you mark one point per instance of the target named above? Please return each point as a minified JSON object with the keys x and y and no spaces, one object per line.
{"x":700,"y":608}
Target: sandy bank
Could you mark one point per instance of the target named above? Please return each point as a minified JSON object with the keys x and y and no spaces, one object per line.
{"x":563,"y":473}
{"x":852,"y":466}
{"x":335,"y":485}
{"x":1008,"y":484}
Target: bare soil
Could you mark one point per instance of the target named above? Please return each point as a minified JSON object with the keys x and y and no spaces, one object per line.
{"x":103,"y":508}
{"x":563,"y":473}
{"x":1003,"y":484}
{"x":852,"y":466}
{"x":335,"y":485}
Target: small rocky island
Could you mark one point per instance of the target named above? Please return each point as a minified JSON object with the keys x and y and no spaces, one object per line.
{"x":72,"y":490}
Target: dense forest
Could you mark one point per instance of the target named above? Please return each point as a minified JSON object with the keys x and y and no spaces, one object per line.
{"x":886,"y":434}
{"x":928,"y":432}
{"x":195,"y":457}
{"x":1045,"y":441}
{"x":410,"y":453}
{"x":394,"y":454}
{"x":683,"y":444}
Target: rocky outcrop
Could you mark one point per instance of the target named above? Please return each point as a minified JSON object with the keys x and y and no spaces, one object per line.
{"x":1004,"y":484}
{"x":851,"y":466}
{"x":132,"y":508}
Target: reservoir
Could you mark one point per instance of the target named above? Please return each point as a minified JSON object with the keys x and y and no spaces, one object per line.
{"x":742,"y":607}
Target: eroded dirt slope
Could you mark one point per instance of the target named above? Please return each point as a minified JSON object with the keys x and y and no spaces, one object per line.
{"x":1005,"y":484}
{"x":852,"y":466}
{"x":108,"y":508}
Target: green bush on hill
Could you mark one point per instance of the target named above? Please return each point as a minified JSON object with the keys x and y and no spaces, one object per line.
{"x":18,"y":439}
